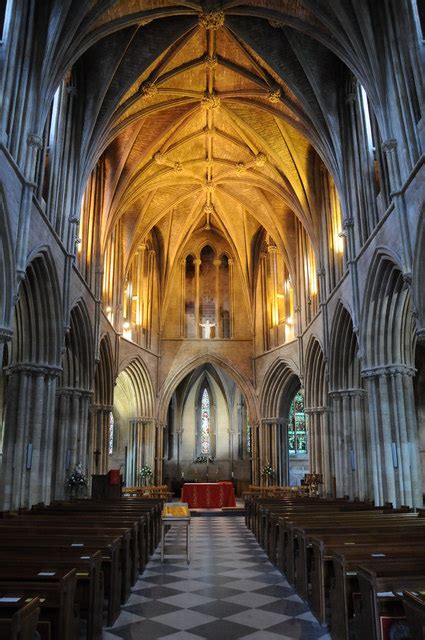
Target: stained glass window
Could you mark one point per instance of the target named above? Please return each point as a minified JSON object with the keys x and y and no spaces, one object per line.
{"x":297,"y":436}
{"x":205,"y":435}
{"x":248,"y":438}
{"x":111,"y":434}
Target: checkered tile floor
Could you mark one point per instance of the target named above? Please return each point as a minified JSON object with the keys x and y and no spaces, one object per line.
{"x":229,"y":591}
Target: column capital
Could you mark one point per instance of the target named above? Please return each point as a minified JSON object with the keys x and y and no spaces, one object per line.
{"x":348,"y":393}
{"x":389,"y":370}
{"x":316,"y":410}
{"x":35,"y":369}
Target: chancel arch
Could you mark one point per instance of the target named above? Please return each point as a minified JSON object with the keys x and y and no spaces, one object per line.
{"x":388,"y":367}
{"x":208,"y":428}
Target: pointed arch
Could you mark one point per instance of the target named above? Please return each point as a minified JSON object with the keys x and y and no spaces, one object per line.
{"x":78,"y":362}
{"x":38,"y":313}
{"x":134,"y":394}
{"x":387,"y":317}
{"x":104,"y":374}
{"x":7,"y":267}
{"x":279,"y":386}
{"x":315,"y":375}
{"x":178,"y":374}
{"x":344,"y":363}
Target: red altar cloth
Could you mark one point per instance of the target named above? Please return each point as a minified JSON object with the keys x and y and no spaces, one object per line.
{"x":209,"y":495}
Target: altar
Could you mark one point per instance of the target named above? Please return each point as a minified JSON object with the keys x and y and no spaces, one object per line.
{"x":209,"y":495}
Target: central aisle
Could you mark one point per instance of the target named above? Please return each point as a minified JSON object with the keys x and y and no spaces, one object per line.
{"x":230,"y":590}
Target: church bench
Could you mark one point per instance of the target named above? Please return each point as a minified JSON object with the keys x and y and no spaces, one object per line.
{"x":18,"y":620}
{"x":378,"y":585}
{"x":111,"y":559}
{"x":414,"y":608}
{"x":321,"y":571}
{"x":271,"y":521}
{"x":297,"y":531}
{"x":344,"y":584}
{"x":149,"y":507}
{"x":106,"y":522}
{"x":89,"y":590}
{"x":56,"y":599}
{"x":78,"y":535}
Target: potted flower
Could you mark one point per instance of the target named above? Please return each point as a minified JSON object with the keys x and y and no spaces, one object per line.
{"x":77,"y":481}
{"x":145,"y":474}
{"x":267,"y":473}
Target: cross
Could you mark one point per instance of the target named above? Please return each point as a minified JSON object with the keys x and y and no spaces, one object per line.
{"x":97,"y":454}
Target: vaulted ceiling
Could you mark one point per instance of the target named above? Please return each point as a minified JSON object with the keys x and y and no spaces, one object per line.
{"x":211,"y":116}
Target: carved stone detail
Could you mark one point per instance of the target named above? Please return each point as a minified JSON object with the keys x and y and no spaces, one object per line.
{"x":212,"y":20}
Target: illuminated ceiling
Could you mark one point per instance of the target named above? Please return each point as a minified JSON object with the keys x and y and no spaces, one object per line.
{"x":209,"y":119}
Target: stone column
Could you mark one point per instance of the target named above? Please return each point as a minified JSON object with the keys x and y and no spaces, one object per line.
{"x":183,"y":331}
{"x":394,"y":436}
{"x":320,"y":445}
{"x":197,"y":264}
{"x":349,"y":442}
{"x":218,"y":325}
{"x":28,"y":438}
{"x":231,"y":263}
{"x":255,"y":460}
{"x":99,"y":438}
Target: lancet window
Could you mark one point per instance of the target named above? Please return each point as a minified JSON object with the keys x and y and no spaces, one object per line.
{"x":297,"y":435}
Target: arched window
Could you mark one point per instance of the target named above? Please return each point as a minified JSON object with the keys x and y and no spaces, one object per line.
{"x":205,"y":434}
{"x":205,"y":421}
{"x":111,"y":434}
{"x":297,"y":436}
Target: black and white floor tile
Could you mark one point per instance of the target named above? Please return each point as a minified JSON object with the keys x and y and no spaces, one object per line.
{"x":229,"y":591}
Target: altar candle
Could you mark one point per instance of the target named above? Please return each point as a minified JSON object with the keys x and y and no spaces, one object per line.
{"x":183,"y":475}
{"x":232,"y":475}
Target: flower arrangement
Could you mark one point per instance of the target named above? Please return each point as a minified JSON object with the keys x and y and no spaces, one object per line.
{"x":77,"y":479}
{"x":204,"y":460}
{"x":267,"y":472}
{"x":145,"y":473}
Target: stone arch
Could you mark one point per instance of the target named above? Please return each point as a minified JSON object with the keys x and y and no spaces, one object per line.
{"x":279,"y":385}
{"x":73,"y":396}
{"x":7,"y":269}
{"x":136,"y":434}
{"x":349,"y":419}
{"x":103,"y":397}
{"x":134,"y":387}
{"x":33,"y":372}
{"x":316,"y":408}
{"x":418,"y":276}
{"x":344,"y":366}
{"x":78,"y":364}
{"x":277,"y":392}
{"x":387,"y":318}
{"x":389,"y":367}
{"x":177,"y":375}
{"x":39,"y":298}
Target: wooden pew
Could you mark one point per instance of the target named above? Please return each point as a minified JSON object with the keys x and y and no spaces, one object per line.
{"x":89,"y":589}
{"x":78,"y":535}
{"x":377,"y":583}
{"x":111,"y":559}
{"x":18,"y":620}
{"x":325,"y":546}
{"x":56,"y":599}
{"x":414,"y":608}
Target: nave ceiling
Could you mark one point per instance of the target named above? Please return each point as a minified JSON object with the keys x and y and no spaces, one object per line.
{"x":209,"y":119}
